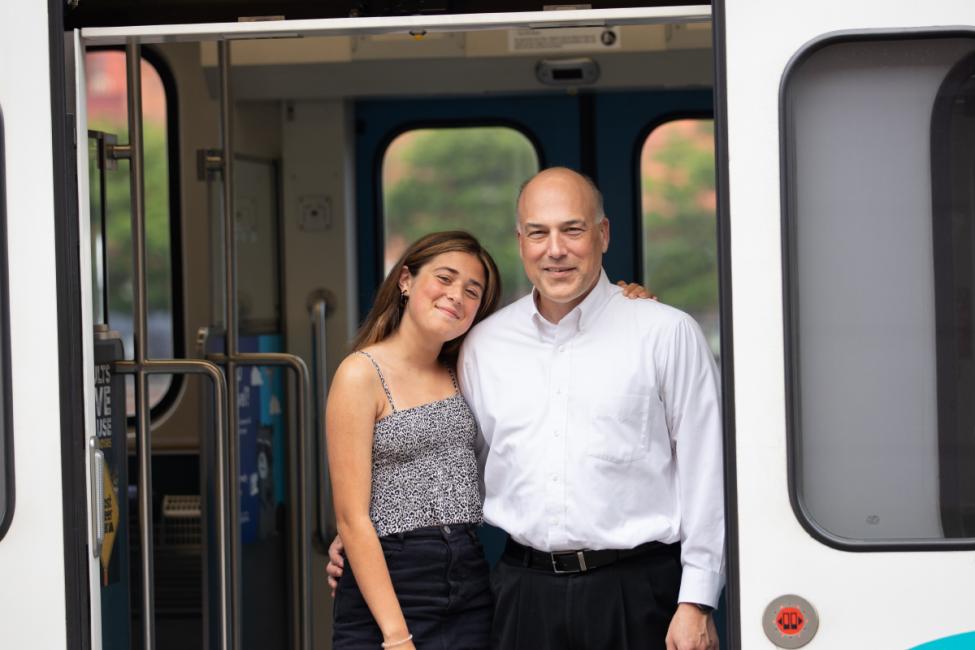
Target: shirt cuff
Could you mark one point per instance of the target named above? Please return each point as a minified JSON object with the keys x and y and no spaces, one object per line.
{"x":700,"y":586}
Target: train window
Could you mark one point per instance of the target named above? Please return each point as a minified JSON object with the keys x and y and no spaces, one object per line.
{"x":879,"y":221}
{"x":680,"y":248}
{"x":6,"y":417}
{"x":458,"y":178}
{"x":107,"y":106}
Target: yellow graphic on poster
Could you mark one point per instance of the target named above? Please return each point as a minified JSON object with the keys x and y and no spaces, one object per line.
{"x":110,"y":516}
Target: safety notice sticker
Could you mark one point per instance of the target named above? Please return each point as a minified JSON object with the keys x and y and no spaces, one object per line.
{"x":564,"y":39}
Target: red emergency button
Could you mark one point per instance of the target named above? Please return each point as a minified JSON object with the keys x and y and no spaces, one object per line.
{"x":790,"y":621}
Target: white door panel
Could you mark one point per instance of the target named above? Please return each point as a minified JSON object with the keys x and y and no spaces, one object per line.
{"x":32,"y":596}
{"x":864,"y":599}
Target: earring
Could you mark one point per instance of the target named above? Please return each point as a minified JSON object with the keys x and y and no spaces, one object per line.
{"x":403,"y":297}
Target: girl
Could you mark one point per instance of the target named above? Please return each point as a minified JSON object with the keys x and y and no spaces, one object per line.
{"x":402,"y":461}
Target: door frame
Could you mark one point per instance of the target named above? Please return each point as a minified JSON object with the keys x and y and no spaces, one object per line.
{"x":725,"y":305}
{"x":93,"y":36}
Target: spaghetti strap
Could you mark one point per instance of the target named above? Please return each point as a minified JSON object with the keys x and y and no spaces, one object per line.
{"x":382,"y":379}
{"x":453,"y":378}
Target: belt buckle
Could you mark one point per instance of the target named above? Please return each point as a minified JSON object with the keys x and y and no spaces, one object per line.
{"x":580,"y":556}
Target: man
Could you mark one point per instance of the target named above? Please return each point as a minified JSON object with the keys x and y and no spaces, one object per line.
{"x":601,"y":446}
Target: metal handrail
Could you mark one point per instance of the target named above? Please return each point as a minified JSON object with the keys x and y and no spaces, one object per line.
{"x":224,"y":531}
{"x":298,"y":521}
{"x":319,"y":312}
{"x":230,"y":322}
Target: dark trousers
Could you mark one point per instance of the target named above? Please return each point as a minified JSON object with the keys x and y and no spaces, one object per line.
{"x":441,"y":581}
{"x":626,"y":605}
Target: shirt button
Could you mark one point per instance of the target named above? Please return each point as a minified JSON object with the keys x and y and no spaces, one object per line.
{"x":555,"y":479}
{"x":561,"y":348}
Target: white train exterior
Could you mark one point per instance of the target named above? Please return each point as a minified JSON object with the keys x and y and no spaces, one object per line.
{"x":866,"y":545}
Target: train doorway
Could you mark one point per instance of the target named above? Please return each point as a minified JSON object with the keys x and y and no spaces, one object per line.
{"x":310,"y":166}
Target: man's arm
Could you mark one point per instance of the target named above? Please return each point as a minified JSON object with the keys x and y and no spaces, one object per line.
{"x":693,"y":408}
{"x":692,"y":402}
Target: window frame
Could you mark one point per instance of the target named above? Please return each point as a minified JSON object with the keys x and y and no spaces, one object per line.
{"x":790,"y":311}
{"x":6,"y":418}
{"x":379,"y":156}
{"x":154,"y":58}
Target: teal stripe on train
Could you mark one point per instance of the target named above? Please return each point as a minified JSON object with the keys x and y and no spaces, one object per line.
{"x":964,"y":641}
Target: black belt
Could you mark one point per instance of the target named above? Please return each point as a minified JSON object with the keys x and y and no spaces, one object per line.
{"x":578,"y":561}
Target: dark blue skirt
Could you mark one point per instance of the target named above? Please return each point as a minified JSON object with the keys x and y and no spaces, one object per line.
{"x":442,"y":583}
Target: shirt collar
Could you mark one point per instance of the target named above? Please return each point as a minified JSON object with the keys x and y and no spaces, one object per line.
{"x":582,"y":316}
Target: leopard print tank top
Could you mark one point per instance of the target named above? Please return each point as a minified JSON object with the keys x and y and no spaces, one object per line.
{"x":424,"y":469}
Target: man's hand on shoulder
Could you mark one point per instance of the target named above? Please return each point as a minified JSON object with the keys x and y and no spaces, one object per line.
{"x":632,"y":290}
{"x":692,"y":629}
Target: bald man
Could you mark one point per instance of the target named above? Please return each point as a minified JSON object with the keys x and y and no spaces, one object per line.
{"x":600,"y":446}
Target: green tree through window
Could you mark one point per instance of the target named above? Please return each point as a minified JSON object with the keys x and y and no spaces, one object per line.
{"x":679,"y":211}
{"x":107,"y":112}
{"x":458,"y":178}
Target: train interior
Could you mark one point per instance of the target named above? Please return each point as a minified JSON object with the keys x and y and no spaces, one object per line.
{"x":343,"y":149}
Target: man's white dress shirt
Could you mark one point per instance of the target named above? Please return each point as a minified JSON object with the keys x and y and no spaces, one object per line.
{"x":602,"y":431}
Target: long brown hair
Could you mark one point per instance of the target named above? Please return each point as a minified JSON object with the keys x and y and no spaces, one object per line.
{"x":387,"y":309}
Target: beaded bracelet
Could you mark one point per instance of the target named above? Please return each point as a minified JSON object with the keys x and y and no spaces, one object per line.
{"x":393,"y":644}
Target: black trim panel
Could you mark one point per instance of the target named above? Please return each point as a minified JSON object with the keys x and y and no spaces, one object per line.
{"x":71,"y":368}
{"x":790,"y":300}
{"x":722,"y":187}
{"x":587,"y":136}
{"x":952,"y":137}
{"x":7,"y":496}
{"x":111,"y":13}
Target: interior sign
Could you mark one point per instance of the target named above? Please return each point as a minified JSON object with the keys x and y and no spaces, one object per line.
{"x":103,"y":403}
{"x":110,"y":431}
{"x":564,"y":39}
{"x":104,"y":422}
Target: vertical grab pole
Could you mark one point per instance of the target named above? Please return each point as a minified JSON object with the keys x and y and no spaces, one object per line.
{"x":230,"y":323}
{"x":220,"y":492}
{"x":224,"y":531}
{"x":301,"y":611}
{"x":139,"y":334}
{"x":298,"y":542}
{"x":319,"y":312}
